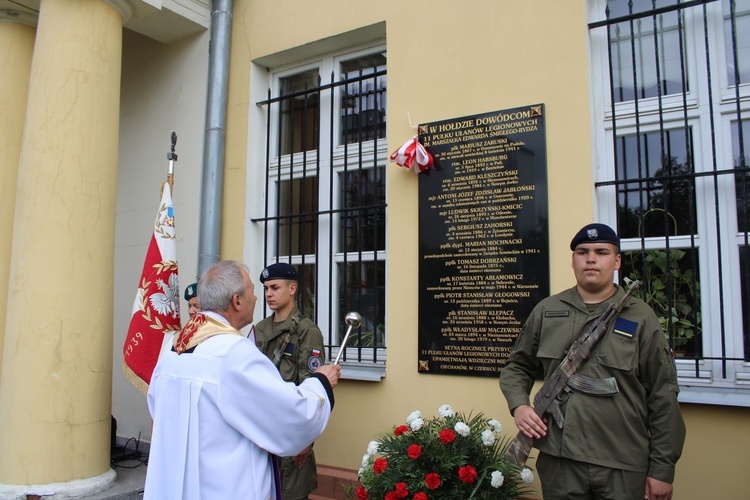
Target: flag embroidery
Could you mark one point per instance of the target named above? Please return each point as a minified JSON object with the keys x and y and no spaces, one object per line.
{"x":156,"y":309}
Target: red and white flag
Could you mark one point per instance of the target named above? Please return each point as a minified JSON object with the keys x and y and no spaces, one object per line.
{"x":156,"y":310}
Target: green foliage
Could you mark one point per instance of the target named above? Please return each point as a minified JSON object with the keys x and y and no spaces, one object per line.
{"x":464,"y":465}
{"x":679,"y":320}
{"x":369,"y":338}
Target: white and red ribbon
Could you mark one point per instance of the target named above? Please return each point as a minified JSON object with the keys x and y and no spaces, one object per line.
{"x":410,"y":152}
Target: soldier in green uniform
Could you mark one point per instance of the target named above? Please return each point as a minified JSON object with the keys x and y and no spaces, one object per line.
{"x":191,"y":296}
{"x":623,"y":445}
{"x":295,"y":345}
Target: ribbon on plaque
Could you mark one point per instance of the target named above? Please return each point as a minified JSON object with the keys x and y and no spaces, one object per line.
{"x":412,"y":151}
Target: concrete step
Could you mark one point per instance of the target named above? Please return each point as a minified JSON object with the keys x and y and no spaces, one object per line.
{"x":333,"y":483}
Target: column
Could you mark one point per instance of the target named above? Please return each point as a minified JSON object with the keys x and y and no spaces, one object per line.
{"x":16,"y":48}
{"x":55,"y":390}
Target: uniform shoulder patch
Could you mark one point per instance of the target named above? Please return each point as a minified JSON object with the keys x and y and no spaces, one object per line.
{"x":314,"y":362}
{"x":556,"y":314}
{"x":625,"y":328}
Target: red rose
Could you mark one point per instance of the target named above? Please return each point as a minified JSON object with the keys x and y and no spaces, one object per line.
{"x":447,"y":436}
{"x":380,"y":465}
{"x":421,"y":496}
{"x":432,"y":480}
{"x":414,"y":451}
{"x":361,"y":493}
{"x":391,"y":495}
{"x":467,"y":474}
{"x":401,"y":429}
{"x":401,"y":490}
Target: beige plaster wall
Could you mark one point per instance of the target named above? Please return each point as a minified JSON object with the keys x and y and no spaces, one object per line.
{"x":445,"y":59}
{"x":449,"y":59}
{"x":16,"y":49}
{"x":163,"y":89}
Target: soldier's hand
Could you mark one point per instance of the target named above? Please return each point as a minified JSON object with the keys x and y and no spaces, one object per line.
{"x":331,"y":372}
{"x":529,"y":422}
{"x":657,"y":490}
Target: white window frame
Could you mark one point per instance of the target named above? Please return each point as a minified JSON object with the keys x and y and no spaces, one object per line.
{"x":338,"y":157}
{"x":707,"y":387}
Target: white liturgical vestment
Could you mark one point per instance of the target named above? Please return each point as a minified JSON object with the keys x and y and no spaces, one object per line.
{"x":218,"y":412}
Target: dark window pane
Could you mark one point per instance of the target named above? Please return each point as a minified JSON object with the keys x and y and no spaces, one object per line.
{"x":298,"y":222}
{"x":363,"y":102}
{"x":300,"y":127}
{"x":737,"y":49}
{"x":742,"y":180}
{"x":669,"y":284}
{"x":663,"y":204}
{"x":306,"y":293}
{"x":362,"y":229}
{"x":745,"y":278}
{"x":636,"y":64}
{"x":362,"y":289}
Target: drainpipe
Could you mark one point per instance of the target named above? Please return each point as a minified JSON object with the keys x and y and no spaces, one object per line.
{"x":215,"y":134}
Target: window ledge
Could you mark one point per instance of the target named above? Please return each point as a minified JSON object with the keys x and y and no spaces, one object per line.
{"x":371,"y":372}
{"x":724,"y":396}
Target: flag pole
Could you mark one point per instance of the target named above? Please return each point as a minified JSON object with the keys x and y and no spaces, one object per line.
{"x":156,"y":308}
{"x":172,"y":157}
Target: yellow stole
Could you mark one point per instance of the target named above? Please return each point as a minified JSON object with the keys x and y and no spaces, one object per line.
{"x":198,"y":329}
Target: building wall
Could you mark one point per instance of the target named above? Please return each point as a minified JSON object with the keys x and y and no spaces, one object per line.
{"x":446,"y":59}
{"x":449,"y":59}
{"x":163,"y":89}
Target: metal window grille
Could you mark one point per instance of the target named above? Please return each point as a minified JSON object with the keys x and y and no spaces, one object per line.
{"x":679,"y":196}
{"x":325,"y":199}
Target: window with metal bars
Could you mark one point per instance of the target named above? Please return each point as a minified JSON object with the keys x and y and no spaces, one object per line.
{"x":671,"y":91}
{"x":325,"y":207}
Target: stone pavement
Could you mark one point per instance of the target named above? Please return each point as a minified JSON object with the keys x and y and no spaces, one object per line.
{"x":131,"y":476}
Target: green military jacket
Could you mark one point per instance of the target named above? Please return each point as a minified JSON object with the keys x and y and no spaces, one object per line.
{"x":639,"y":429}
{"x":296,"y":347}
{"x":296,"y":343}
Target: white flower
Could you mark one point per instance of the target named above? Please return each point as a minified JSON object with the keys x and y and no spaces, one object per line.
{"x":372,"y":448}
{"x":416,"y":424}
{"x":359,"y":473}
{"x":365,"y":460}
{"x":413,"y":416}
{"x":488,"y":437}
{"x":445,"y":411}
{"x":497,"y":479}
{"x":496,"y":426}
{"x":462,"y":429}
{"x":527,"y":475}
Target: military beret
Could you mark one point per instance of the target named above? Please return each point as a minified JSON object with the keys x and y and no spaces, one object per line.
{"x":595,"y":233}
{"x":191,"y":291}
{"x":279,"y":271}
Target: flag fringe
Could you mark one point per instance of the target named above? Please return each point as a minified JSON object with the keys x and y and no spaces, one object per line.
{"x":133,"y":378}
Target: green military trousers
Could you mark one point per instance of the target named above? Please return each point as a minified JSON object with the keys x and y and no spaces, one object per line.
{"x":564,"y":479}
{"x":297,"y":484}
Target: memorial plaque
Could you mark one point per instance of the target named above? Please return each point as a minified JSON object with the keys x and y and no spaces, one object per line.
{"x":483,"y":238}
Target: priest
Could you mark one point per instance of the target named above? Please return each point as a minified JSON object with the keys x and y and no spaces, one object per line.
{"x":221,"y":411}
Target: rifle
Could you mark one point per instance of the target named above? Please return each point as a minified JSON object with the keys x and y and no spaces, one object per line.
{"x":566,"y":375}
{"x":279,"y":351}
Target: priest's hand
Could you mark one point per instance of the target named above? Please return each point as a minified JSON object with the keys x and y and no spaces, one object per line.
{"x":331,"y":372}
